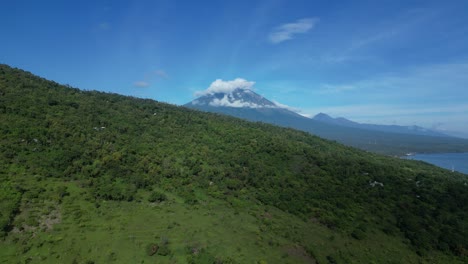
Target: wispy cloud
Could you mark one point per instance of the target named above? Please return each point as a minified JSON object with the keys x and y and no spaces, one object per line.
{"x":356,"y":49}
{"x":371,"y":39}
{"x":427,"y":95}
{"x":360,"y":44}
{"x":141,"y":84}
{"x":441,"y":82}
{"x":335,"y":58}
{"x":289,"y":30}
{"x":290,"y":108}
{"x":161,"y":74}
{"x":333,"y":89}
{"x":151,"y":76}
{"x":104,"y":26}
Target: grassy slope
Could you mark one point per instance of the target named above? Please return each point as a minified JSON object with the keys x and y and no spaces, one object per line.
{"x":240,"y":191}
{"x":119,"y":232}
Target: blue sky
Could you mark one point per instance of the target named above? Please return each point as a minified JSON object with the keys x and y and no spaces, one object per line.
{"x":385,"y":62}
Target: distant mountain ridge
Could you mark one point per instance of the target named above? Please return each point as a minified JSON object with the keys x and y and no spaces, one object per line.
{"x":413,"y":130}
{"x":391,"y":140}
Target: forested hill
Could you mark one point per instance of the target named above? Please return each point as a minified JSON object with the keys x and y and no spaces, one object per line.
{"x":85,"y":155}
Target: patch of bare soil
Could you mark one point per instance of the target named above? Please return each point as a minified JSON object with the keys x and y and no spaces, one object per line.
{"x":48,"y":221}
{"x":45,"y":222}
{"x":267,"y":215}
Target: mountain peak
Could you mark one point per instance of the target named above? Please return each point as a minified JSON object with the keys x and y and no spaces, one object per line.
{"x":322,"y":116}
{"x":237,"y":97}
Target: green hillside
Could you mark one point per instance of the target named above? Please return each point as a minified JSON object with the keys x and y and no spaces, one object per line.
{"x":90,"y":177}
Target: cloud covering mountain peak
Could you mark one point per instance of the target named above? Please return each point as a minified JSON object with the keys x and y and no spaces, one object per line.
{"x":237,"y":93}
{"x":227,"y":87}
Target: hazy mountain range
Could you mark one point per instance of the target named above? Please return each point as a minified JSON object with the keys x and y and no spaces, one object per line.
{"x":413,"y":130}
{"x":388,"y":139}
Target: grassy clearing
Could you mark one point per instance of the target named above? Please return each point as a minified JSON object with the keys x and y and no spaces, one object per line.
{"x":120,"y":231}
{"x":81,"y":230}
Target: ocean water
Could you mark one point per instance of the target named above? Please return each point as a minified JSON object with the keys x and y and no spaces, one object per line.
{"x":457,"y":161}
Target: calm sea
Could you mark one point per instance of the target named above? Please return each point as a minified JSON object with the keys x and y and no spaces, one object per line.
{"x":457,"y":161}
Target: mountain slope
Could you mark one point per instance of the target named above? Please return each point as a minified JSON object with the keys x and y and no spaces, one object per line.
{"x":236,"y":98}
{"x":96,"y":177}
{"x":412,"y":130}
{"x":363,"y":137}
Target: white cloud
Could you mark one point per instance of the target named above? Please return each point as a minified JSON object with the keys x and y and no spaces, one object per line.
{"x":141,"y":84}
{"x":287,"y":31}
{"x":290,"y":108}
{"x":220,"y":86}
{"x":228,"y":101}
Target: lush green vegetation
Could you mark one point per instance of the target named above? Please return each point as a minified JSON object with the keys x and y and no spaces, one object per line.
{"x":94,"y":177}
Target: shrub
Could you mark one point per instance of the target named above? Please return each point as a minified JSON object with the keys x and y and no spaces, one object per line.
{"x":164,"y":250}
{"x":157,"y":197}
{"x":358,"y":234}
{"x":152,"y":249}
